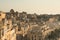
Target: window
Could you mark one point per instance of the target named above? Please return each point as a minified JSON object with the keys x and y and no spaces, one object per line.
{"x":5,"y":39}
{"x":2,"y":32}
{"x":7,"y":26}
{"x":19,"y":28}
{"x":3,"y":20}
{"x":35,"y":37}
{"x":0,"y":14}
{"x":32,"y":37}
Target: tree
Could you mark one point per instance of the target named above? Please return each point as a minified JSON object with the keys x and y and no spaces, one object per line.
{"x":12,"y":11}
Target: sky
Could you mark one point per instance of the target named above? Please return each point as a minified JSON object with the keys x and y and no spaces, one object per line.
{"x":31,"y":6}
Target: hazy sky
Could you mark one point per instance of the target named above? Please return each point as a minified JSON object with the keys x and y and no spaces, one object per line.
{"x":31,"y":6}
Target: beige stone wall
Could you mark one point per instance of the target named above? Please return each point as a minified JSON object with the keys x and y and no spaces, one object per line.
{"x":2,"y":15}
{"x":10,"y":35}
